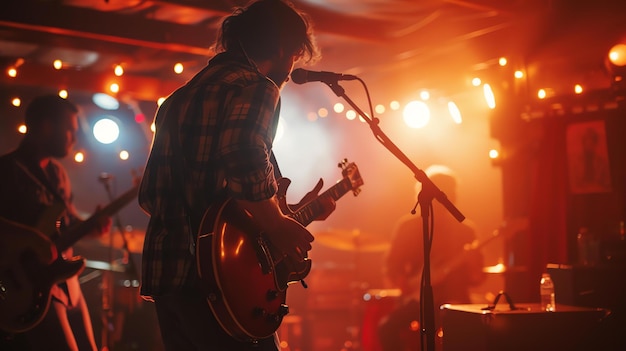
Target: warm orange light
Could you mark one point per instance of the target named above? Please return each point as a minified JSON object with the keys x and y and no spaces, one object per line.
{"x":424,"y":95}
{"x":16,"y":102}
{"x":476,"y":81}
{"x":160,"y":101}
{"x":617,"y":55}
{"x":57,"y":64}
{"x":379,"y":108}
{"x":114,"y":88}
{"x":493,"y":154}
{"x":12,"y":72}
{"x":63,"y":93}
{"x":542,"y":94}
{"x":338,"y":107}
{"x":394,"y":105}
{"x":79,"y":157}
{"x":578,"y":89}
{"x":502,"y":61}
{"x":178,"y":68}
{"x":350,"y":114}
{"x":519,"y":74}
{"x":118,"y":70}
{"x":322,"y":112}
{"x":489,"y":96}
{"x":416,"y":114}
{"x":22,"y":129}
{"x":124,"y":155}
{"x":455,"y":112}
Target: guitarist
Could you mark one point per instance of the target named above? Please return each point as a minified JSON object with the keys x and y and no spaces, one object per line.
{"x":404,"y":264}
{"x":214,"y":135}
{"x":31,"y":181}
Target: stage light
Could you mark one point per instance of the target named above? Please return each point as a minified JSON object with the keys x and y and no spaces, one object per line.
{"x":489,"y":96}
{"x":519,"y":74}
{"x":617,"y":55}
{"x":16,"y":102}
{"x":350,"y":115}
{"x":416,"y":114}
{"x":494,"y":154}
{"x":542,"y":94}
{"x":106,"y":131}
{"x":12,"y":72}
{"x":22,"y":129}
{"x":322,"y":112}
{"x":502,"y":61}
{"x":57,"y":64}
{"x":118,"y":70}
{"x":63,"y":93}
{"x":455,"y":112}
{"x":79,"y":157}
{"x":578,"y":89}
{"x":338,"y":107}
{"x":105,"y":101}
{"x":178,"y":68}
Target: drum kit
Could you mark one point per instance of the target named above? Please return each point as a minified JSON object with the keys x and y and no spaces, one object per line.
{"x":358,"y":306}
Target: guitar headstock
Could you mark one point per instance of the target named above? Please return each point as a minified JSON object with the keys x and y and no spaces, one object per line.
{"x":350,"y":171}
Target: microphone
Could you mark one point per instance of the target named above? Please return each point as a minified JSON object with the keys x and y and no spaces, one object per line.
{"x":301,"y":76}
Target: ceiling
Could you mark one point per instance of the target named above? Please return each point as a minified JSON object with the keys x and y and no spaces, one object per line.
{"x":406,"y":44}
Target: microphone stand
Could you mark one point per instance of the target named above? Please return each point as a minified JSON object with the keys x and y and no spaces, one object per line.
{"x":429,"y":192}
{"x":107,"y":295}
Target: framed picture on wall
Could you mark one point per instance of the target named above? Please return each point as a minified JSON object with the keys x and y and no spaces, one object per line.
{"x":588,"y":158}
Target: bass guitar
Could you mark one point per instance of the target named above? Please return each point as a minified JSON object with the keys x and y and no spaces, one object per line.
{"x":26,"y":283}
{"x":244,"y":277}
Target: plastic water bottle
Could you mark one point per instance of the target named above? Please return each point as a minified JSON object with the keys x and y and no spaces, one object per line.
{"x":546,"y":290}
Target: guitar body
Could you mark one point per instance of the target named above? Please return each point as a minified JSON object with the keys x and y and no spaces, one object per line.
{"x":235,"y":267}
{"x":244,"y":277}
{"x":25,"y":286}
{"x":26,"y":281}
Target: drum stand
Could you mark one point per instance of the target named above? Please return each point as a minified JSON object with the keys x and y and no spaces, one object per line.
{"x":109,"y":332}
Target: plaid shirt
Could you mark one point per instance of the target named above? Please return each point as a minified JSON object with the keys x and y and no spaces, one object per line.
{"x":214,"y":133}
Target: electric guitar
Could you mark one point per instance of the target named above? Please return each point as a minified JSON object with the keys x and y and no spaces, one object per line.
{"x":244,"y":277}
{"x":25,"y":284}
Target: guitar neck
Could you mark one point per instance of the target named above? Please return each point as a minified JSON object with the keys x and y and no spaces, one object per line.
{"x":77,"y":231}
{"x":313,"y":209}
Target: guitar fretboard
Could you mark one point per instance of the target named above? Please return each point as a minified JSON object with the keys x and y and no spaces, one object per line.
{"x":310,"y":211}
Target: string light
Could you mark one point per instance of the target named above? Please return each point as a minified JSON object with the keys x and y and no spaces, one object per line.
{"x":178,"y":68}
{"x":119,"y":70}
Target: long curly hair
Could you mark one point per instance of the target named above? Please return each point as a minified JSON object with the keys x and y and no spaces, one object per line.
{"x":264,"y":28}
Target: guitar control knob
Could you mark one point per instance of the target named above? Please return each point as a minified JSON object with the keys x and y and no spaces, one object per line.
{"x":259,"y":312}
{"x":283,"y":310}
{"x":271,"y":295}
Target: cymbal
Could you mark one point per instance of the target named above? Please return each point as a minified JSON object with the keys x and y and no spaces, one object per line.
{"x":352,"y":240}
